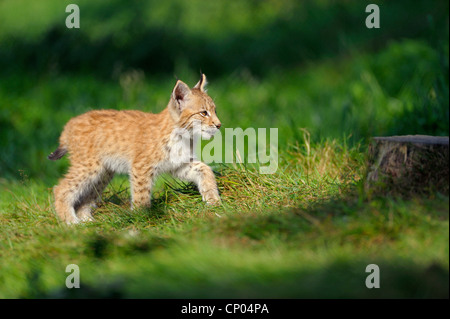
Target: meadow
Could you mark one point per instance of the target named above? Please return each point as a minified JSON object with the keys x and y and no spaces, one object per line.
{"x":307,"y":231}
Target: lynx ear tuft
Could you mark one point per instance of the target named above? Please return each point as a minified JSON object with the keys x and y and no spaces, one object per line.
{"x":202,"y":83}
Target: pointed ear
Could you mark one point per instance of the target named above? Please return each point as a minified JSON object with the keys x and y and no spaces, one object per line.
{"x":180,"y":94}
{"x":202,"y":83}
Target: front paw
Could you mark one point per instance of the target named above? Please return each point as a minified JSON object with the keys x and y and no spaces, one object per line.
{"x":212,"y":197}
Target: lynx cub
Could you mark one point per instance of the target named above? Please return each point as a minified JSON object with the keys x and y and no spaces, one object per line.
{"x":101,"y":143}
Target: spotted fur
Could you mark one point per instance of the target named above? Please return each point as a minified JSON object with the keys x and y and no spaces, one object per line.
{"x":104,"y":142}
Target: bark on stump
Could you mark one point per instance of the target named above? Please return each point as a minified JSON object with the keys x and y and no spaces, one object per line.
{"x":408,"y":164}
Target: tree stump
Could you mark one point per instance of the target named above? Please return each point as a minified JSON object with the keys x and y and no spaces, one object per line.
{"x":408,"y":164}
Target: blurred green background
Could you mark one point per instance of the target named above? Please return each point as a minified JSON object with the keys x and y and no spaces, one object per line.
{"x":285,"y":64}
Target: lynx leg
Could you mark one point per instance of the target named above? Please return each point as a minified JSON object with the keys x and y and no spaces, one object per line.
{"x":64,"y":208}
{"x":141,"y":182}
{"x":203,"y":176}
{"x":84,"y":212}
{"x":70,"y":192}
{"x":92,"y":197}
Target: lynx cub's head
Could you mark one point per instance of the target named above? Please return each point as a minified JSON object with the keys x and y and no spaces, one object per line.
{"x":194,"y":109}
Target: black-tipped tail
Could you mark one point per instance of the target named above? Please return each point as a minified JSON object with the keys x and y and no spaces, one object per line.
{"x":57,"y":154}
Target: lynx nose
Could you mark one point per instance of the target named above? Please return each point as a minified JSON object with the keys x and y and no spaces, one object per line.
{"x":218,"y":125}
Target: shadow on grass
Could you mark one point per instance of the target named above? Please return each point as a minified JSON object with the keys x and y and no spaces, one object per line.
{"x":341,"y":279}
{"x":367,"y":227}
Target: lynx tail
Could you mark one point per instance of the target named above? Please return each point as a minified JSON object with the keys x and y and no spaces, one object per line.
{"x":57,"y":154}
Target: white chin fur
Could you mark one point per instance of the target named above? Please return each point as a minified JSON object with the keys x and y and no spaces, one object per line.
{"x":208,"y":134}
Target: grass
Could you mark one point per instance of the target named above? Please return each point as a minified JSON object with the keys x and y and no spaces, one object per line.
{"x":305,"y":231}
{"x":327,"y":83}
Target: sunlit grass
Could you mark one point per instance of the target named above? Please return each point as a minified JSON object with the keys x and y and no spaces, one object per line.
{"x":306,"y":231}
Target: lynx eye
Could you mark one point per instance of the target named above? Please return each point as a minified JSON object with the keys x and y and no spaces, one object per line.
{"x":204,"y":113}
